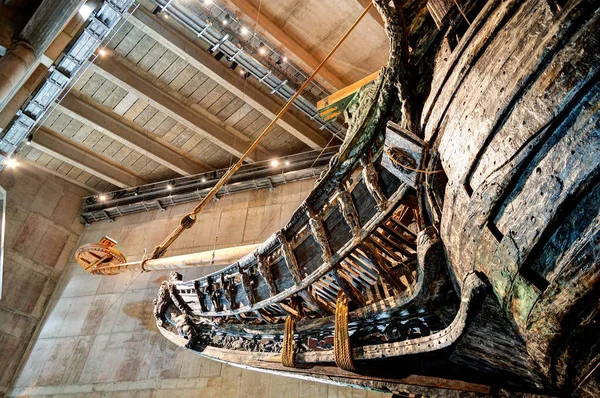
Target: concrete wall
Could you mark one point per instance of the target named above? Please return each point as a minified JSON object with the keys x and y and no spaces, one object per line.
{"x":99,"y":337}
{"x":42,"y":230}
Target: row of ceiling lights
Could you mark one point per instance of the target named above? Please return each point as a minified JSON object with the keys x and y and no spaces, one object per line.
{"x":103,"y":197}
{"x":263,"y":50}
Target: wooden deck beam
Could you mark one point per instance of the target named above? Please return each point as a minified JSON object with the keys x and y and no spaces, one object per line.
{"x":87,"y":160}
{"x":143,"y":142}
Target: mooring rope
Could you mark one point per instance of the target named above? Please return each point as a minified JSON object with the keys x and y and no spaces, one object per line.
{"x":341,"y":338}
{"x":288,"y":352}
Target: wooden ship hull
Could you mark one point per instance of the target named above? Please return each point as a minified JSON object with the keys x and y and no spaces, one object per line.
{"x":453,"y":242}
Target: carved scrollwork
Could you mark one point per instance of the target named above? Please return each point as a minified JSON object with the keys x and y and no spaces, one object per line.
{"x":290,"y":259}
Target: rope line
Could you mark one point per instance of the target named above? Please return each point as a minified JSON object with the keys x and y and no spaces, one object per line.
{"x":341,"y":339}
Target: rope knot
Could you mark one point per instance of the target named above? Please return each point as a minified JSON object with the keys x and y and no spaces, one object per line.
{"x":187,"y":221}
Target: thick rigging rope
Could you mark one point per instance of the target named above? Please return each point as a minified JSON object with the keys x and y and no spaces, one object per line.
{"x":189,"y":219}
{"x":288,"y":354}
{"x":341,"y":338}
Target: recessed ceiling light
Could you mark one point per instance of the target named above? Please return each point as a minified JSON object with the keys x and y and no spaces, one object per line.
{"x":85,"y":11}
{"x":11,"y":163}
{"x":274,"y":163}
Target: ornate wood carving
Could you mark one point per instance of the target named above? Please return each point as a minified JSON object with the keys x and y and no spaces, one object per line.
{"x":201,"y":293}
{"x":315,"y":221}
{"x":248,"y":283}
{"x":228,"y":283}
{"x":371,"y":180}
{"x":264,"y":269}
{"x":290,"y":259}
{"x":214,"y":292}
{"x":298,"y":273}
{"x":348,"y":209}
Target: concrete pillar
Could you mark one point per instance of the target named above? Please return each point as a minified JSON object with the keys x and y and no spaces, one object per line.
{"x":45,"y":24}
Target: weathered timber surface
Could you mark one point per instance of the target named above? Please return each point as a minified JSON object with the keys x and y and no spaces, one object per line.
{"x":516,"y":116}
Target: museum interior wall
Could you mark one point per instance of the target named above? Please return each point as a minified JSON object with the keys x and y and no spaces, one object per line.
{"x":42,"y":230}
{"x":99,"y":336}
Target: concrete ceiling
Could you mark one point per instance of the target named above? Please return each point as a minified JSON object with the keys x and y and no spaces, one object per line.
{"x":157,"y":106}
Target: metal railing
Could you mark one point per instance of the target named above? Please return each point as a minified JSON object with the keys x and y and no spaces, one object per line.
{"x":161,"y":195}
{"x":209,"y":27}
{"x":99,"y":25}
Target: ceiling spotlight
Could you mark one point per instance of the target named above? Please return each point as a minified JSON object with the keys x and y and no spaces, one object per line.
{"x":262,"y":50}
{"x":287,"y":162}
{"x":203,"y":179}
{"x":136,"y":192}
{"x":284,"y":59}
{"x":208,"y":2}
{"x":166,"y":16}
{"x":274,"y":163}
{"x":102,"y":197}
{"x":29,"y":139}
{"x":11,"y":163}
{"x":226,"y":19}
{"x":170,"y":186}
{"x":85,"y":11}
{"x":102,"y":52}
{"x":244,"y":31}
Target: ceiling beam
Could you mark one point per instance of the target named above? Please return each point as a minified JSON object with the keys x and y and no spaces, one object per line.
{"x":83,"y":158}
{"x":205,"y":124}
{"x":266,"y":104}
{"x":29,"y":163}
{"x":110,"y":125}
{"x":284,"y":42}
{"x":373,"y":12}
